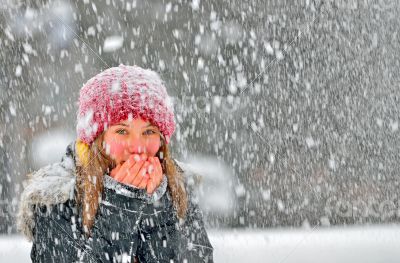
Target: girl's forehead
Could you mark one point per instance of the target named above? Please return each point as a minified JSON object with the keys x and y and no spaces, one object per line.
{"x":134,"y":123}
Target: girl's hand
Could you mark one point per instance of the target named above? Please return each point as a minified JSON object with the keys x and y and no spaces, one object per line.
{"x":156,"y":174}
{"x":133,"y":171}
{"x":140,"y":171}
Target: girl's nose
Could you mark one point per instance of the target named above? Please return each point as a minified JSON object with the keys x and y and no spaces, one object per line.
{"x":137,"y":148}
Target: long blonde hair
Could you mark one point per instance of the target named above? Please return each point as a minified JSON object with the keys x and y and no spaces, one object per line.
{"x":93,"y":163}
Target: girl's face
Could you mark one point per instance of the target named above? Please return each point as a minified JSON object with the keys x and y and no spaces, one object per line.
{"x":129,"y":137}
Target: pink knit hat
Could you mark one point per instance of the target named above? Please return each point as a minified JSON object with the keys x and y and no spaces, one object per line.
{"x":123,"y":92}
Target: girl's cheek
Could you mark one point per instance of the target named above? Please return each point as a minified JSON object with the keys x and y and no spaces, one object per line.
{"x":153,"y":146}
{"x":116,"y":149}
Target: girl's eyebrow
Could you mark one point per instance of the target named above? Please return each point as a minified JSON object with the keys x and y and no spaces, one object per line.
{"x":123,"y":124}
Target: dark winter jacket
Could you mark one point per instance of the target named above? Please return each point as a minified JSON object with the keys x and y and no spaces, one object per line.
{"x":128,"y":223}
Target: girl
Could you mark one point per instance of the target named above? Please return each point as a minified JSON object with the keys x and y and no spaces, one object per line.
{"x":117,"y":195}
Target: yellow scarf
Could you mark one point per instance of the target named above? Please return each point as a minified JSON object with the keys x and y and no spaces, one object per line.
{"x":82,"y":151}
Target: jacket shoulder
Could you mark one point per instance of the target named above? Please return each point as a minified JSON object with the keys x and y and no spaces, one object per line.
{"x":50,"y":185}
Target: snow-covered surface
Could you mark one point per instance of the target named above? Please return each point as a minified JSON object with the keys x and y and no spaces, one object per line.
{"x":345,"y":245}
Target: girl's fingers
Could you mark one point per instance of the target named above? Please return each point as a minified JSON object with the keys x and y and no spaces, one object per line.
{"x":131,"y":172}
{"x":157,"y":166}
{"x":140,"y":176}
{"x":143,"y":156}
{"x":159,"y":172}
{"x":151,"y":165}
{"x":150,"y":186}
{"x":114,"y":171}
{"x":144,"y":182}
{"x":133,"y":177}
{"x":123,"y":171}
{"x":155,"y":177}
{"x":136,"y":157}
{"x":153,"y":183}
{"x":149,"y":182}
{"x":138,"y":173}
{"x":144,"y":173}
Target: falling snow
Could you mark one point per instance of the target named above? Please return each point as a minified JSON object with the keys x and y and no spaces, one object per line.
{"x":289,"y":111}
{"x":113,"y":43}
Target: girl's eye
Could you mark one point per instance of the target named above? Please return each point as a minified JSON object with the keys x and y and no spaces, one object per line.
{"x":149,"y":132}
{"x":121,"y":131}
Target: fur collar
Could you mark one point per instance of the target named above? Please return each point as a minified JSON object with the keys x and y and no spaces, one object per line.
{"x":52,"y":184}
{"x":55,"y":184}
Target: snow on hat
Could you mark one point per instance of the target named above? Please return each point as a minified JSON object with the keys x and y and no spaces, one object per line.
{"x":123,"y":92}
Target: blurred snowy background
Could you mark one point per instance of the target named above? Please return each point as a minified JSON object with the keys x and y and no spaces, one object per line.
{"x":289,"y":108}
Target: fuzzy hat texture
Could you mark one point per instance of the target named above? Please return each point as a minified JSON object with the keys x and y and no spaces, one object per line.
{"x":123,"y":92}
